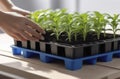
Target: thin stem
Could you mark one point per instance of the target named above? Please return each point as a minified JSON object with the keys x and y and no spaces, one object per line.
{"x":104,"y":32}
{"x":114,"y":34}
{"x":69,"y":37}
{"x":75,"y":36}
{"x":98,"y":35}
{"x":84,"y":36}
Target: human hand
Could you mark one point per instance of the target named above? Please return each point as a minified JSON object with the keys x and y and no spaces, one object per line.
{"x":19,"y":27}
{"x":20,"y":11}
{"x":8,"y":6}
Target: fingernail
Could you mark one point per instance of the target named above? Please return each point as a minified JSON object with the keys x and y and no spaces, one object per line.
{"x":42,"y":38}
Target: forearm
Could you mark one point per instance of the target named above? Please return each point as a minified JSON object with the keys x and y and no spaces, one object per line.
{"x":8,"y":6}
{"x":8,"y":16}
{"x":2,"y":18}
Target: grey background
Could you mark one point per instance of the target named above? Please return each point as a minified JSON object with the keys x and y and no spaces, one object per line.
{"x":33,"y":5}
{"x":111,"y":6}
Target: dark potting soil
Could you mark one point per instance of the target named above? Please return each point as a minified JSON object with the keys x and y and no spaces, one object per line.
{"x":91,"y":37}
{"x":48,"y":37}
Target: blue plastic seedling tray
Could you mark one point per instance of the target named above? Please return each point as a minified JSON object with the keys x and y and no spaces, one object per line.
{"x":71,"y":64}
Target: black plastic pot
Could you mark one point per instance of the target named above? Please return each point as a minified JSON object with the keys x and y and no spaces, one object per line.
{"x":25,"y":44}
{"x":42,"y":46}
{"x":33,"y":45}
{"x":72,"y":51}
{"x":18,"y":43}
{"x":37,"y":46}
{"x":45,"y":47}
{"x":57,"y":49}
{"x":105,"y":46}
{"x":115,"y":45}
{"x":94,"y":48}
{"x":91,"y":49}
{"x":54,"y":49}
{"x":66,"y":51}
{"x":108,"y":45}
{"x":119,"y":45}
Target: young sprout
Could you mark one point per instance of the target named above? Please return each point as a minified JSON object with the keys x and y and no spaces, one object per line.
{"x":85,"y":25}
{"x":114,"y":23}
{"x":99,"y":22}
{"x":59,"y":21}
{"x":75,"y":25}
{"x":68,"y":25}
{"x":105,"y":21}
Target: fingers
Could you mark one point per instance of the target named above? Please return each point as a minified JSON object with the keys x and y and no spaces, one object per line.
{"x":35,"y":26}
{"x":25,"y":13}
{"x":14,"y":33}
{"x":17,"y":36}
{"x":29,"y":32}
{"x":14,"y":37}
{"x":32,"y":32}
{"x":23,"y":37}
{"x":20,"y":11}
{"x":28,"y":37}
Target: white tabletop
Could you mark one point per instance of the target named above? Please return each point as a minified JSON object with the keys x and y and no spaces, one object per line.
{"x":55,"y":70}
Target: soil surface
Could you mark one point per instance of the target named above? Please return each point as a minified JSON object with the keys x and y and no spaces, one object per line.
{"x":91,"y":37}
